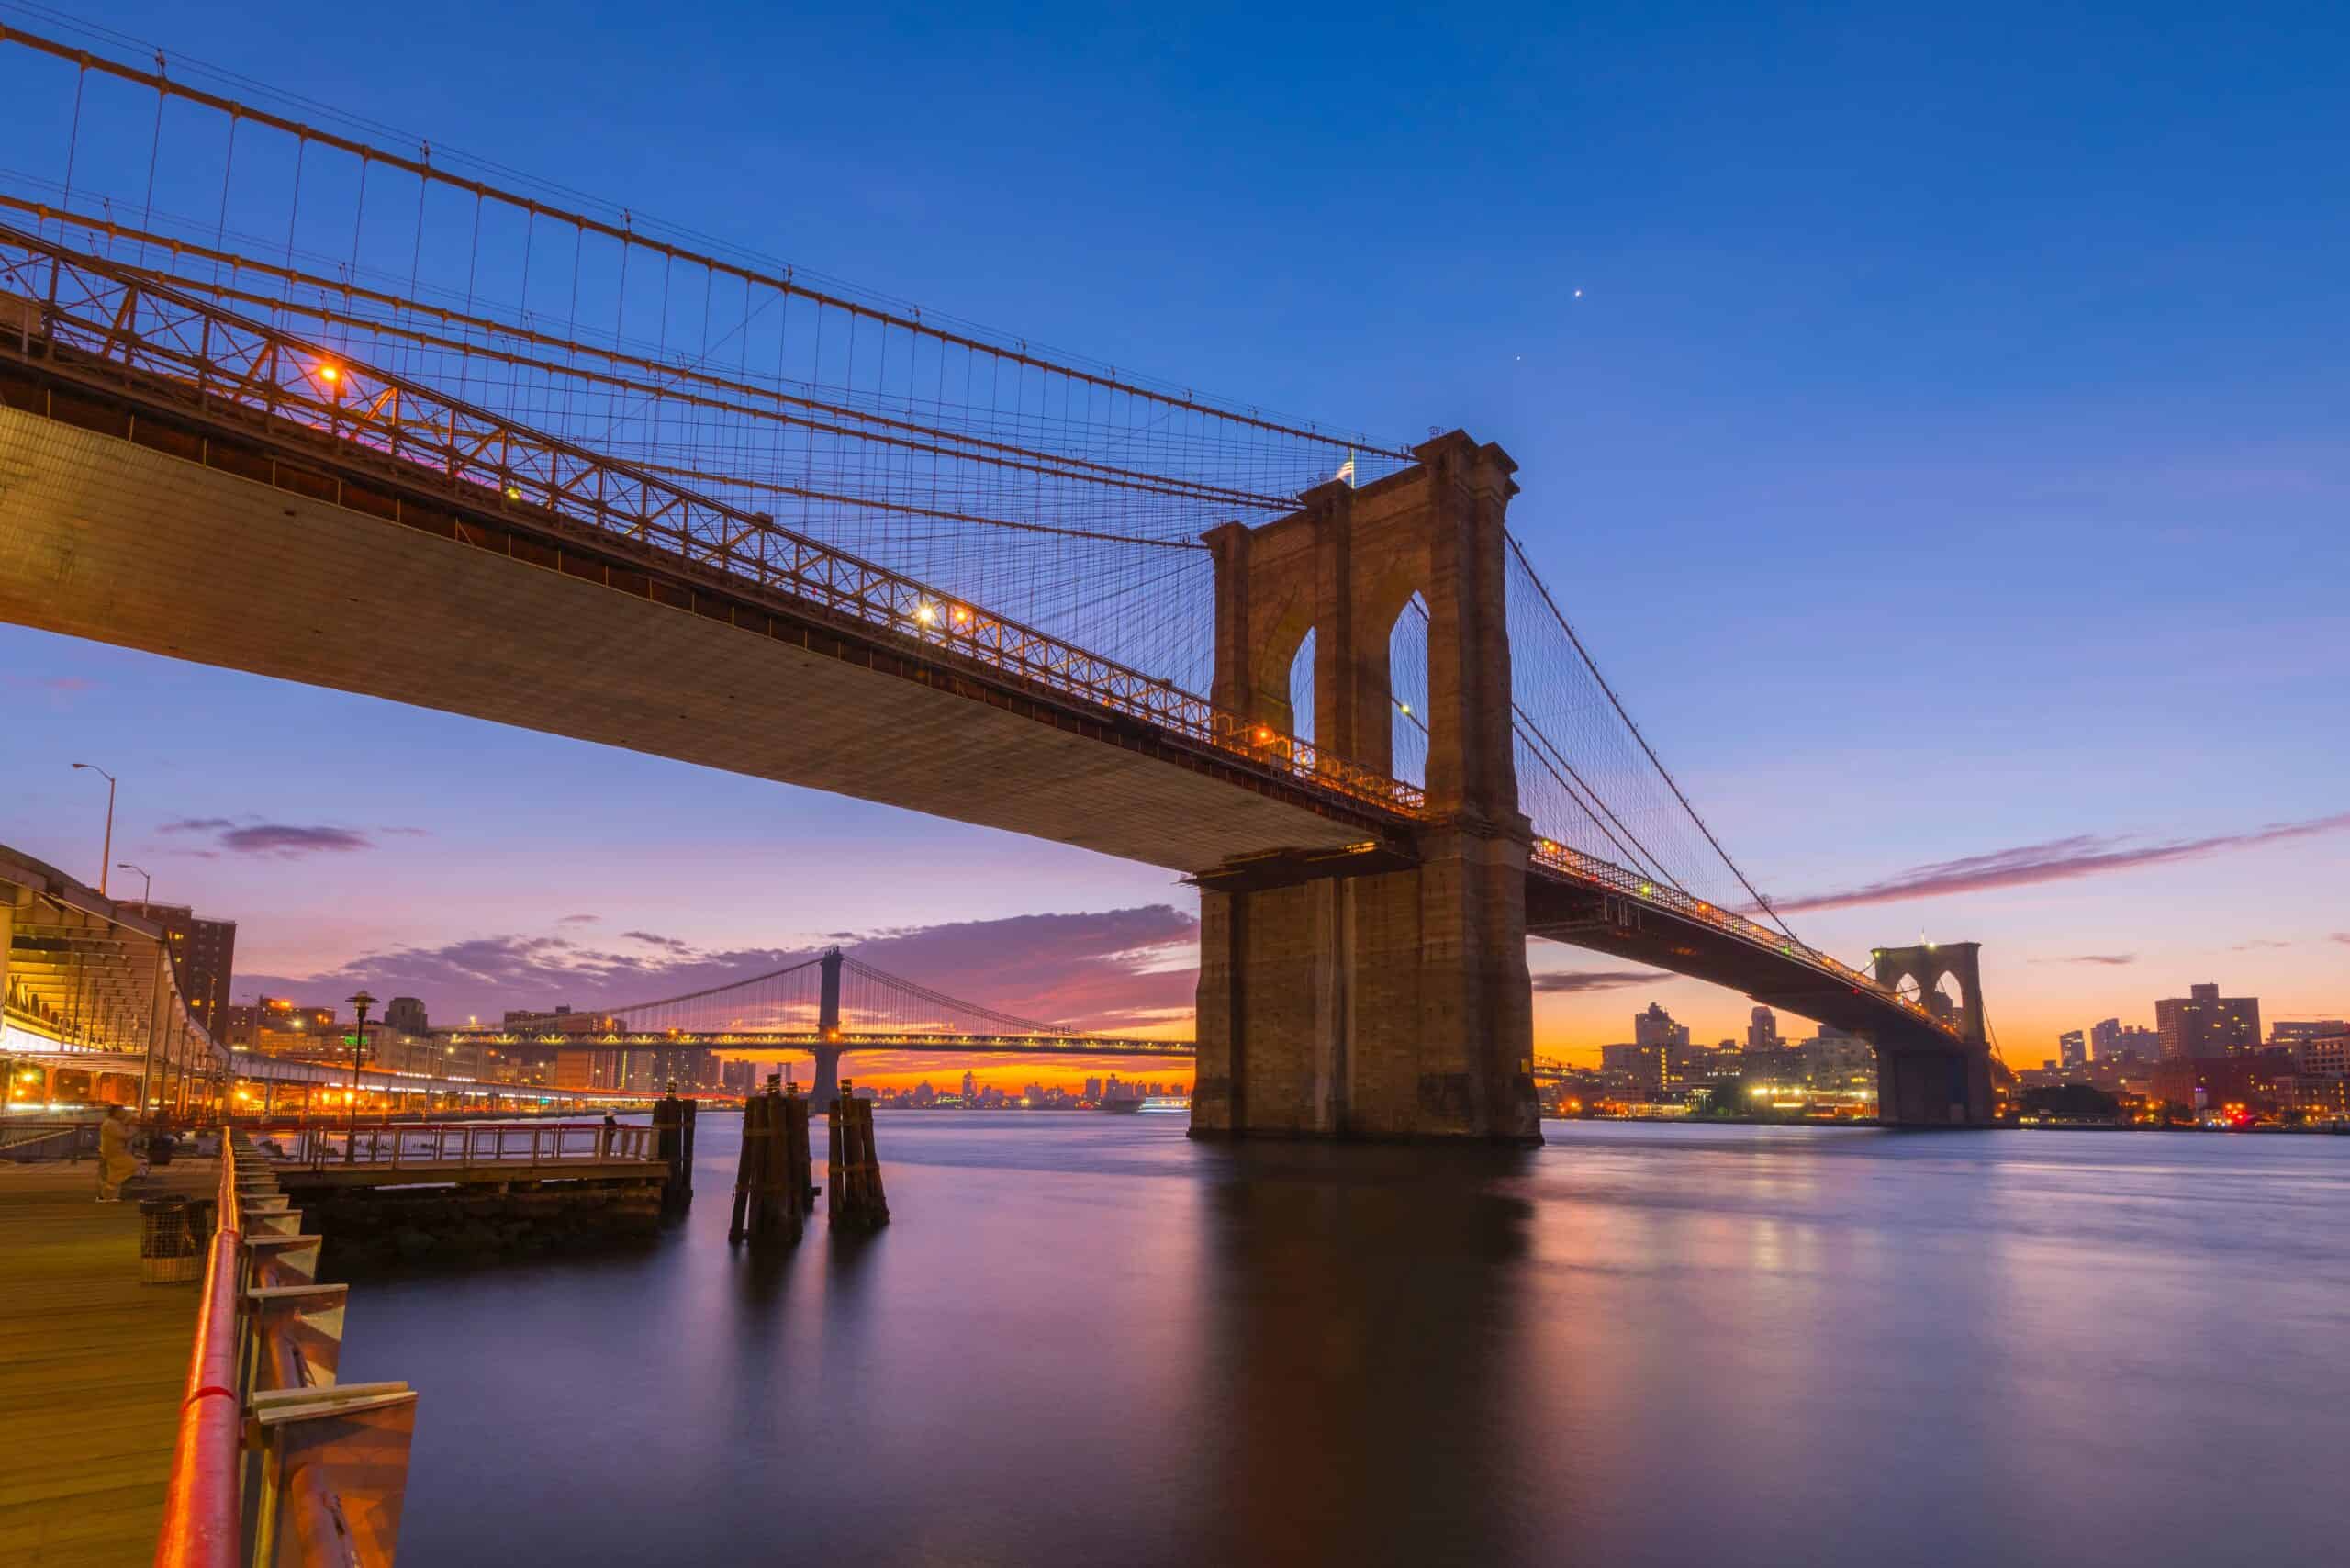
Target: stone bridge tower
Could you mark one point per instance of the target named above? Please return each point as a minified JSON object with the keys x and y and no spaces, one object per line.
{"x":1375,"y":996}
{"x":1928,"y":1084}
{"x":827,"y":1087}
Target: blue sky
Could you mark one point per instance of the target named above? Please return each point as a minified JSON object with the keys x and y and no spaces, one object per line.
{"x":1946,"y":455}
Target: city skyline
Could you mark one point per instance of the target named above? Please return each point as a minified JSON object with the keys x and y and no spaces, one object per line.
{"x":2006,"y":538}
{"x":1129,"y":970}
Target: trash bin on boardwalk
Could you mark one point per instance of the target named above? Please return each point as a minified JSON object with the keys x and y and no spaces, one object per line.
{"x":166,"y":1251}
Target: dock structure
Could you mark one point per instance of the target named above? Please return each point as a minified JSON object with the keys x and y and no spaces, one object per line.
{"x":94,"y":1362}
{"x":474,"y":1192}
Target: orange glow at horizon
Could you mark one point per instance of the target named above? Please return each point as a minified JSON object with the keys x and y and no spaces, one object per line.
{"x":1010,"y":1074}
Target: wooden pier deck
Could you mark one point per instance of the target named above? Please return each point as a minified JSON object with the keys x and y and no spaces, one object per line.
{"x":92,"y":1365}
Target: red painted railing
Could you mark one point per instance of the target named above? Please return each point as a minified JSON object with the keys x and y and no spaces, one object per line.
{"x":200,"y":1528}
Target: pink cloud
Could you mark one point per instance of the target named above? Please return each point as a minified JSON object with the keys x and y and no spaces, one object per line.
{"x":2058,"y":860}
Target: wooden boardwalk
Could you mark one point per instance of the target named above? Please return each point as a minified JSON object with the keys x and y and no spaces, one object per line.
{"x":92,"y":1363}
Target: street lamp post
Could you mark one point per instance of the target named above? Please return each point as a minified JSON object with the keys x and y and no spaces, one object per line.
{"x":106,"y":854}
{"x":163,"y":959}
{"x":360,"y":1003}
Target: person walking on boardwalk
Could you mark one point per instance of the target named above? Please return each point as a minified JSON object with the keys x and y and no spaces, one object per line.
{"x":115,"y":1162}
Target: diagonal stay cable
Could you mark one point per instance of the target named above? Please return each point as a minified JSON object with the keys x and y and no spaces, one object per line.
{"x":953,"y":1003}
{"x":1543,"y":588}
{"x":707,"y":990}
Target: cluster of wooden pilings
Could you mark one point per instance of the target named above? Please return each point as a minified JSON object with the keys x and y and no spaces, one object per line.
{"x":854,"y":1167}
{"x":774,"y":1192}
{"x":673,"y":1144}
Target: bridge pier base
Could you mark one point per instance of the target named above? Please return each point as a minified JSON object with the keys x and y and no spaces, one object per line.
{"x":827,"y":1087}
{"x":1390,"y":1005}
{"x":1934,"y":1088}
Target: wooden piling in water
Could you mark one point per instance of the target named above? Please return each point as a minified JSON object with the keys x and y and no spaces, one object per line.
{"x":853,"y":1166}
{"x":878,"y":1201}
{"x":771,"y":1193}
{"x":799,"y":1159}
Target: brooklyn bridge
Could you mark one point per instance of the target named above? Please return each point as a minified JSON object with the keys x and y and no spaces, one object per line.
{"x":488,"y":446}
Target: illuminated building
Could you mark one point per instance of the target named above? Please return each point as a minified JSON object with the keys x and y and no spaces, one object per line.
{"x":2205,"y":1023}
{"x":1635,"y":1070}
{"x":2072,"y":1048}
{"x":2259,"y":1083}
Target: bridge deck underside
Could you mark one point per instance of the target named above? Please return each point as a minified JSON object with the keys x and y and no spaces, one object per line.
{"x":1580,"y":915}
{"x":104,"y":539}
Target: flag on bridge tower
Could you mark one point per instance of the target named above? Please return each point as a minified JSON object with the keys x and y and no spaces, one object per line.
{"x":1347,"y":469}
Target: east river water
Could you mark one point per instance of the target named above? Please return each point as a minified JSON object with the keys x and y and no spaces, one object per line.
{"x":1085,"y":1340}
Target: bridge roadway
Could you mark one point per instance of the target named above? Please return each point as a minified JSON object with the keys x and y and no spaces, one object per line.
{"x":842,"y":1040}
{"x":275,"y":552}
{"x":218,"y":529}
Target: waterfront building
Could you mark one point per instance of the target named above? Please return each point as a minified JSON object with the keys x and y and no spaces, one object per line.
{"x":1832,"y":1060}
{"x":2205,"y":1023}
{"x":2258,"y":1082}
{"x":2072,"y":1048}
{"x":1636,"y":1071}
{"x":1690,"y":1065}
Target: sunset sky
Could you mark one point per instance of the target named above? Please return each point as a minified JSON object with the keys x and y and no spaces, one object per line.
{"x":1944,"y":458}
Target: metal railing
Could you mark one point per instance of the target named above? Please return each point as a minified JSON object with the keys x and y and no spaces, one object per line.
{"x":55,"y":1137}
{"x":848,"y":1039}
{"x":200,"y":1526}
{"x":263,"y":1419}
{"x":315,"y":1147}
{"x":1557,"y":857}
{"x":171,"y":339}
